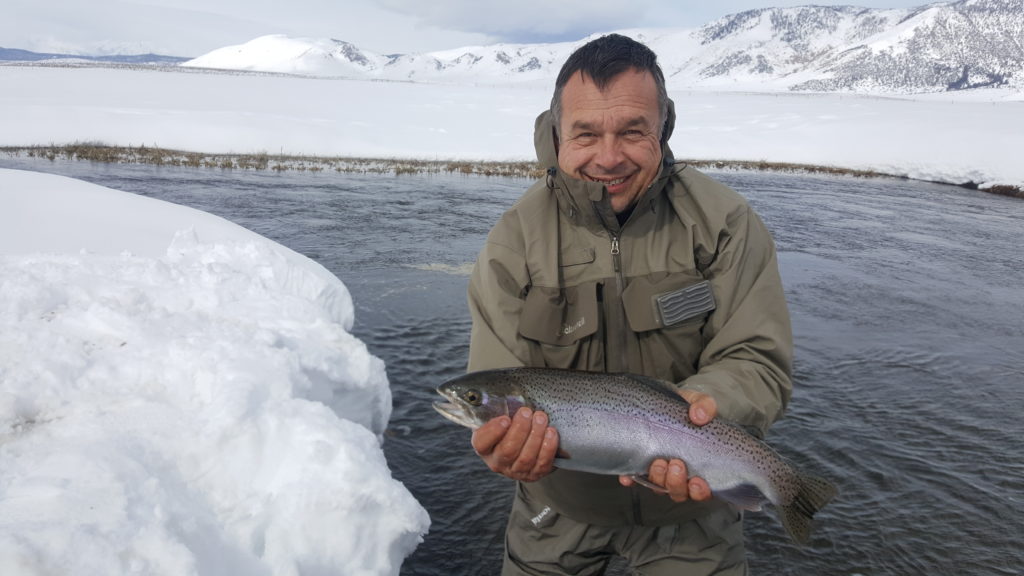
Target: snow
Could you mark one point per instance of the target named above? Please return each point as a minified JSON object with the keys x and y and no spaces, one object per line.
{"x":280,"y":53}
{"x":964,"y":137}
{"x":179,"y":395}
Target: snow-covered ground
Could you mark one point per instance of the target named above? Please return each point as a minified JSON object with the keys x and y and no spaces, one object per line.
{"x":972,"y":136}
{"x":179,"y":395}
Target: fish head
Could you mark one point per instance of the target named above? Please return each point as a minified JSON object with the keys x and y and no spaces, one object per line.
{"x":475,"y":398}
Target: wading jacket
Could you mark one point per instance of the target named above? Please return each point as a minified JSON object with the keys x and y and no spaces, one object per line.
{"x":686,"y":290}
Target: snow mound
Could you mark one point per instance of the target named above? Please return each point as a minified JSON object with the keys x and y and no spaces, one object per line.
{"x":290,"y":55}
{"x":200,"y":411}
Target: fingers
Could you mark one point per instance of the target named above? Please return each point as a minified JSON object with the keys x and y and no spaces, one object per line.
{"x":486,"y":437}
{"x":522,"y":465}
{"x":703,"y":407}
{"x":673,"y":477}
{"x":658,"y":472}
{"x":676,"y":481}
{"x":545,"y":462}
{"x":699,"y":490}
{"x":522,"y":447}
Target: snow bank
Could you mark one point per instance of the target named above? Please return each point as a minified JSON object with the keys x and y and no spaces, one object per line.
{"x":199,"y":408}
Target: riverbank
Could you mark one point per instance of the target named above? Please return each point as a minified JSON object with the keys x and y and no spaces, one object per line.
{"x":93,"y":152}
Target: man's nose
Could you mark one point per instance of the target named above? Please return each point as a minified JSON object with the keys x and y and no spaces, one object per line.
{"x":609,"y":153}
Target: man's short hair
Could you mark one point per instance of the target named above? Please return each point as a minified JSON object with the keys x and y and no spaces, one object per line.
{"x":604,"y":58}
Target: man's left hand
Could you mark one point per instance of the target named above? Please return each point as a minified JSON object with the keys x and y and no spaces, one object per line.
{"x":672,"y":474}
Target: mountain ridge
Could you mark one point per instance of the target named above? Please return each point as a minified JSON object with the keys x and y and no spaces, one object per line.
{"x":932,"y":48}
{"x":948,"y":46}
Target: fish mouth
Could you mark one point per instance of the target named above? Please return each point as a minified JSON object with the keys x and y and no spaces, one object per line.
{"x":455,"y":412}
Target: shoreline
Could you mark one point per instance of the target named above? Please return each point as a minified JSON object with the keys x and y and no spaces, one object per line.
{"x":157,"y":156}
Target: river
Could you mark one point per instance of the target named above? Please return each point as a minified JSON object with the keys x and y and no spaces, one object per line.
{"x":908,"y":311}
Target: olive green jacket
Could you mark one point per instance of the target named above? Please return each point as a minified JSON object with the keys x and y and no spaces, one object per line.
{"x":686,"y":290}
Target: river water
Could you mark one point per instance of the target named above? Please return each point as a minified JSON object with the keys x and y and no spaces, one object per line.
{"x":908,"y":311}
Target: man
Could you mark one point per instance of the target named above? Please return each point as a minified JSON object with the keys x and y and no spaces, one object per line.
{"x":620,"y":260}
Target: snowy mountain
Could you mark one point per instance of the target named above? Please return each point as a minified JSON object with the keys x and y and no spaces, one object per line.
{"x":937,"y":47}
{"x":16,"y":55}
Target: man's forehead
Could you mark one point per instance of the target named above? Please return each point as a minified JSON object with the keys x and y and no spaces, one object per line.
{"x":630,"y":75}
{"x":629,"y":97}
{"x":585,"y":122}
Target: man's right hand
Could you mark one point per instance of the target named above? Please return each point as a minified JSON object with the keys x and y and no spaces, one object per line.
{"x":522,"y":447}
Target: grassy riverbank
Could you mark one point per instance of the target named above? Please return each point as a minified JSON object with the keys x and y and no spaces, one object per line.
{"x":282,"y":162}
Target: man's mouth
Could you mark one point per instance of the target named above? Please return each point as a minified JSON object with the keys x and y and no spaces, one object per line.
{"x":609,"y":183}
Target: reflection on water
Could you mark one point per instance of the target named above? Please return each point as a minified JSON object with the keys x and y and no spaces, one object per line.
{"x":908,"y":314}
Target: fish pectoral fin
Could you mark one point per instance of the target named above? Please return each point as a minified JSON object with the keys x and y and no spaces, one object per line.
{"x":643,"y":481}
{"x":742,"y":496}
{"x":562,"y":459}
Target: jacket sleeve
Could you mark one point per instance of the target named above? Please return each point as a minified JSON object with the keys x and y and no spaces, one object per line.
{"x":747,"y":360}
{"x":496,"y":293}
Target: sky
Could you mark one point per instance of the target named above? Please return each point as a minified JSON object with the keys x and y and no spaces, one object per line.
{"x":193,"y":27}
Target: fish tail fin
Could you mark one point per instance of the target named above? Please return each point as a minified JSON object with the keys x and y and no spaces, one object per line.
{"x":796,"y":516}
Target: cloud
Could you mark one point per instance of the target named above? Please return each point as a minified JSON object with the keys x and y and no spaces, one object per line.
{"x":525,"y":20}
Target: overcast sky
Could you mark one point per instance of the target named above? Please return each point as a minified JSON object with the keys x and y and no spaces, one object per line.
{"x":194,"y":27}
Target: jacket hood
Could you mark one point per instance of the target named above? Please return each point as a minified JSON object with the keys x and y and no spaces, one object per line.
{"x":546,"y":142}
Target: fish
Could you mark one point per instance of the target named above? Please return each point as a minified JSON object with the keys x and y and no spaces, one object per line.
{"x":618,"y":423}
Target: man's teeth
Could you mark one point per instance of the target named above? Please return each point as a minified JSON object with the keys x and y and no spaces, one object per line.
{"x":610,"y":182}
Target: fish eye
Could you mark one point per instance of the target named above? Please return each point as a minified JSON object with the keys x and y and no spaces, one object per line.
{"x":474,"y":397}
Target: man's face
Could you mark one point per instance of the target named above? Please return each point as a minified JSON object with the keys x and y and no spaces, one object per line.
{"x":613,"y":135}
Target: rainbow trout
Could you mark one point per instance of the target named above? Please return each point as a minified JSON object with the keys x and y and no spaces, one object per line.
{"x":619,"y":423}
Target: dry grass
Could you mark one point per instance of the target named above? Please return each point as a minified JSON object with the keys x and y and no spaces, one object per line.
{"x":154,"y":155}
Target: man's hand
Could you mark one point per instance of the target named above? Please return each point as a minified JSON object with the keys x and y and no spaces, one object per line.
{"x":522,"y":447}
{"x":672,"y":474}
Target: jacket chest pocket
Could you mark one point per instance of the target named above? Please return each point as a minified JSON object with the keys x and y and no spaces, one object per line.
{"x":561,"y":322}
{"x":668,"y":312}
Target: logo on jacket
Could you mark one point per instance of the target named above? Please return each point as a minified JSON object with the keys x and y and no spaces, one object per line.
{"x":568,"y":329}
{"x":536,"y":519}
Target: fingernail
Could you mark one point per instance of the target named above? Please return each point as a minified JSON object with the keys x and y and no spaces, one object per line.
{"x":549,"y":433}
{"x":540,"y":418}
{"x":697,"y":490}
{"x":701,"y":415}
{"x":505,"y":422}
{"x":526,"y":413}
{"x":675,"y":470}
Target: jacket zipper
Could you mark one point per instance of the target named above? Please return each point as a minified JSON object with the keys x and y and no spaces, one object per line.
{"x":620,"y":314}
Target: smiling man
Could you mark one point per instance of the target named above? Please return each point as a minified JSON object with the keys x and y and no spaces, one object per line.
{"x":622,"y":260}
